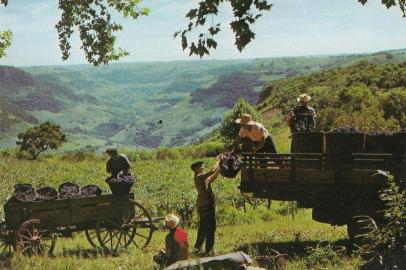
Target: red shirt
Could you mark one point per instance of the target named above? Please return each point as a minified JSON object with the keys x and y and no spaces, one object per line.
{"x":176,"y":245}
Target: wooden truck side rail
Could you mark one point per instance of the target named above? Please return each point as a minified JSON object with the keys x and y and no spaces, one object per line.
{"x":294,"y":172}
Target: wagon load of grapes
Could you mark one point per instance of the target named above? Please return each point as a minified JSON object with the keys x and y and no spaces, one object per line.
{"x":24,"y":193}
{"x":47,"y":194}
{"x":230,"y":164}
{"x":68,"y":190}
{"x":121,"y":184}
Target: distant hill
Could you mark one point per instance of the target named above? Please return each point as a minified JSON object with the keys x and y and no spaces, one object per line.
{"x":148,"y":104}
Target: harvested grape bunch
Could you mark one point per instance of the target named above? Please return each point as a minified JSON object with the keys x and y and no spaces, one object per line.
{"x":68,"y":190}
{"x":230,"y":165}
{"x":346,"y":130}
{"x":379,"y":133}
{"x":91,"y":190}
{"x":47,"y":194}
{"x":120,"y":185}
{"x":24,"y":193}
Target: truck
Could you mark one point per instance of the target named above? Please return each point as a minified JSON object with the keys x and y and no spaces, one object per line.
{"x":337,"y":175}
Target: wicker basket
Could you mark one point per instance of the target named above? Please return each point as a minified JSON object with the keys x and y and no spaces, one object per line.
{"x":47,"y":194}
{"x":24,"y":193}
{"x":91,"y":190}
{"x":121,"y":186}
{"x":68,"y":190}
{"x":230,"y":165}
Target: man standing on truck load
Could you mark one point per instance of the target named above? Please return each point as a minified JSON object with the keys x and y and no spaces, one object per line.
{"x":118,"y":164}
{"x":176,"y":243}
{"x":205,"y":206}
{"x":301,"y":118}
{"x":257,"y":133}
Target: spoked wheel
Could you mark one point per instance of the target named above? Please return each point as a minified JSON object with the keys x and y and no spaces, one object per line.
{"x":6,"y":241}
{"x":34,"y":238}
{"x":144,"y":227}
{"x":129,"y":225}
{"x":91,"y":237}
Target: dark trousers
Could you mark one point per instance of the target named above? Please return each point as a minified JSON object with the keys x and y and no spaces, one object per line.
{"x":269,"y":146}
{"x":207,"y":227}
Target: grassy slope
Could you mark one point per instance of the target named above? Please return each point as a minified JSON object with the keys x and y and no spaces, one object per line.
{"x":169,"y":182}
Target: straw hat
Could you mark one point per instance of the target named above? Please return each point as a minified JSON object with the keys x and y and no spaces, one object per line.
{"x":245,"y":120}
{"x":304,"y":98}
{"x":171,"y":221}
{"x":111,"y":149}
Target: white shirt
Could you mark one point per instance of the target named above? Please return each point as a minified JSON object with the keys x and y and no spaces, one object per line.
{"x":258,"y":133}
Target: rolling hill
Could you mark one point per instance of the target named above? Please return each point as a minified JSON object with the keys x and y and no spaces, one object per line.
{"x":148,"y":104}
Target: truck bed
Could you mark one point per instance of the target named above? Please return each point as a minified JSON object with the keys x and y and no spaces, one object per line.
{"x":299,"y":175}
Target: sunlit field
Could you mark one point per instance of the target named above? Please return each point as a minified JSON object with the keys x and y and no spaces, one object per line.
{"x":167,"y":186}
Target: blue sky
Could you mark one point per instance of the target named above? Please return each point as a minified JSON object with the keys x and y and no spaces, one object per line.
{"x":291,"y":28}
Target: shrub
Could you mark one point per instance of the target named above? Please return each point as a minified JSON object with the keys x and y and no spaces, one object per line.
{"x":321,"y":256}
{"x":385,"y":247}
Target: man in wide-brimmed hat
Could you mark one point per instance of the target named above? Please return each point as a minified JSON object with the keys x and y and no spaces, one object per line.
{"x":205,"y":206}
{"x":176,"y":243}
{"x":118,"y":164}
{"x":301,"y":118}
{"x":255,"y":132}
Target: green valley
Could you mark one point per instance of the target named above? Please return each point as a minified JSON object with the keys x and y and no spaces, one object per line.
{"x":149,"y":105}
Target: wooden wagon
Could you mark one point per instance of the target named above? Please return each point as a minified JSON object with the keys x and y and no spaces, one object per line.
{"x":111,"y":222}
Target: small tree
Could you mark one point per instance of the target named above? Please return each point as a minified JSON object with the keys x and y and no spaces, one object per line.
{"x":229,"y":129}
{"x":40,"y":138}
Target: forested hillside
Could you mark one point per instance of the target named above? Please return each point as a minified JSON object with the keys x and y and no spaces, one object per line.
{"x":163,"y":103}
{"x":370,"y":97}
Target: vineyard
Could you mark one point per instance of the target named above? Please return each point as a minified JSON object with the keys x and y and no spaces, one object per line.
{"x":167,"y":186}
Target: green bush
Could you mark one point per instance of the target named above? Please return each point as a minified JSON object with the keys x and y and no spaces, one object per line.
{"x":393,"y":104}
{"x":322,"y":256}
{"x":385,"y":246}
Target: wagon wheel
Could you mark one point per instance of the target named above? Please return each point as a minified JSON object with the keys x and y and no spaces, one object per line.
{"x":124,"y":228}
{"x":143,"y":225}
{"x":6,"y":240}
{"x":91,"y":236}
{"x":34,"y":238}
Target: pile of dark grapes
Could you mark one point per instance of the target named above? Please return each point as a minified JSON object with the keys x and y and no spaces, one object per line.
{"x":47,"y":194}
{"x":24,"y":193}
{"x":27,"y":193}
{"x":379,"y":133}
{"x":68,"y":190}
{"x":230,"y":164}
{"x":121,"y":179}
{"x":91,"y":190}
{"x":120,"y":185}
{"x":346,"y":130}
